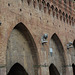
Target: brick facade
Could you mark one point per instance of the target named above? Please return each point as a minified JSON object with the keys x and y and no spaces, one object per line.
{"x":38,"y":17}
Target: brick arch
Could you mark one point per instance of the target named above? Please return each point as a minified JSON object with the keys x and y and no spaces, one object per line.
{"x":59,"y":43}
{"x":58,"y":53}
{"x":33,"y":53}
{"x":57,"y":40}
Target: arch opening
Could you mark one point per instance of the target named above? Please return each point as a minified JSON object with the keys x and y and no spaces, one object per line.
{"x":17,"y":69}
{"x":57,"y":54}
{"x":21,"y":48}
{"x":74,"y":43}
{"x":53,"y":70}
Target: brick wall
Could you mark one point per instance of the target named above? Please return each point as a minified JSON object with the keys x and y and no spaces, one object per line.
{"x":39,"y":19}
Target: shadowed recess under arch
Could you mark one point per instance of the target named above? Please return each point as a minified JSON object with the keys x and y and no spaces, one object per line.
{"x":58,"y":42}
{"x":73,"y":66}
{"x":53,"y":70}
{"x":17,"y":69}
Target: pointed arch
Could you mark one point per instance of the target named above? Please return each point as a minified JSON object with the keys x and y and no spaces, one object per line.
{"x":53,"y":70}
{"x":17,"y":69}
{"x":26,"y":33}
{"x":58,"y":42}
{"x":59,"y":45}
{"x":57,"y":50}
{"x":22,"y":41}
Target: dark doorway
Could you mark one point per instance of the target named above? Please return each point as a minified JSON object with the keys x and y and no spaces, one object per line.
{"x":17,"y":69}
{"x":53,"y":70}
{"x":73,"y":66}
{"x":74,"y":43}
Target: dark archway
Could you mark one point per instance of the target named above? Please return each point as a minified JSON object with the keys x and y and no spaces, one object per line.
{"x":74,"y":43}
{"x":53,"y":70}
{"x":73,"y":66}
{"x":17,"y":69}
